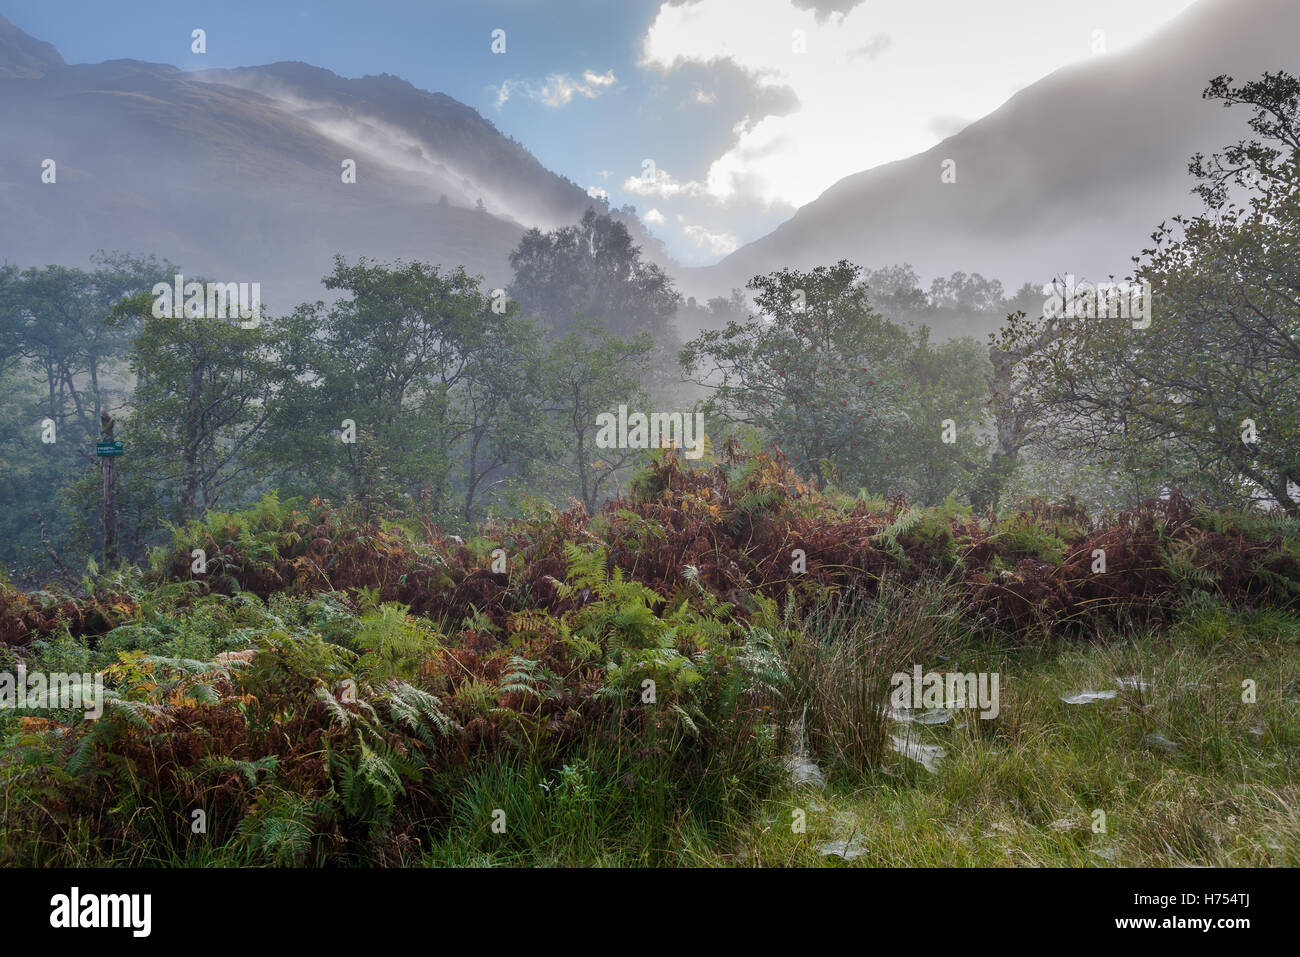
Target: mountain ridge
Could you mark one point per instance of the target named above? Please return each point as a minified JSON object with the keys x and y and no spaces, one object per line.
{"x":236,"y":172}
{"x":1047,"y":203}
{"x":239,"y":173}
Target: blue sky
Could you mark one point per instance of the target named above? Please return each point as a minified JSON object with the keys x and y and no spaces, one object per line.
{"x":746,"y":108}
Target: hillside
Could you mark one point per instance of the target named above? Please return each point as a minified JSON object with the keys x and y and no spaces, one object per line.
{"x":1072,"y":174}
{"x":237,"y":174}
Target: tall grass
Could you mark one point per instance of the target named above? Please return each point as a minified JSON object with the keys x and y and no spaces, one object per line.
{"x":840,"y":663}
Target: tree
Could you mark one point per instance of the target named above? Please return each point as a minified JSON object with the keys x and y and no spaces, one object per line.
{"x":812,"y":369}
{"x":944,"y":382}
{"x":589,"y":371}
{"x":59,"y":361}
{"x":1207,"y":397}
{"x":500,"y":409}
{"x":896,"y":291}
{"x":9,"y":318}
{"x":964,"y":293}
{"x":595,"y":270}
{"x":204,"y":396}
{"x":848,"y":394}
{"x":56,"y":322}
{"x":694,"y":317}
{"x":388,"y":356}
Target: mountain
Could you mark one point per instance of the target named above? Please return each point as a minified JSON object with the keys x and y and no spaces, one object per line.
{"x":24,"y":56}
{"x":1071,"y":175}
{"x":429,"y":136}
{"x":237,"y":174}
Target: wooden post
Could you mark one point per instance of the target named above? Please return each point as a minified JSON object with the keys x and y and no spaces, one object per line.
{"x":110,"y":493}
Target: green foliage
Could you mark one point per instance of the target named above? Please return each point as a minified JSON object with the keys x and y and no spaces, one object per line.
{"x":1203,"y":394}
{"x":332,"y":726}
{"x":592,"y":371}
{"x":887,"y":538}
{"x":1028,"y":535}
{"x":354,"y":684}
{"x":592,"y":269}
{"x":850,"y":396}
{"x":203,"y":399}
{"x":280,"y":830}
{"x":395,"y":642}
{"x":60,"y":360}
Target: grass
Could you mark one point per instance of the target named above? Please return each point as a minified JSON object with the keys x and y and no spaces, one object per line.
{"x":1026,"y":792}
{"x":1175,"y":770}
{"x":498,"y":728}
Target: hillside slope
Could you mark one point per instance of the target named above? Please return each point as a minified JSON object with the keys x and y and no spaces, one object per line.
{"x":236,"y":174}
{"x":1072,"y":174}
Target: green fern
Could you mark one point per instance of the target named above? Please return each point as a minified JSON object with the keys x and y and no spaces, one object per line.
{"x":530,"y":678}
{"x":220,"y":766}
{"x":419,"y":712}
{"x":887,"y":538}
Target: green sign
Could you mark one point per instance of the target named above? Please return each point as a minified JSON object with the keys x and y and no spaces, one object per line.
{"x":108,"y":448}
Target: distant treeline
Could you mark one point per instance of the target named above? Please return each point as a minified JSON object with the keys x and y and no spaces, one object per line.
{"x":416,"y":390}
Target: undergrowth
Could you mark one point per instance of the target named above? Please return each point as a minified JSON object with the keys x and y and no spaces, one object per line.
{"x":296,"y":684}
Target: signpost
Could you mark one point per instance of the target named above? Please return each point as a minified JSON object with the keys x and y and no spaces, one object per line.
{"x":107,"y":450}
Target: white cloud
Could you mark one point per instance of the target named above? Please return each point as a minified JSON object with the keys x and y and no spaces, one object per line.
{"x":720,"y":244}
{"x":873,"y":47}
{"x":871,"y":79}
{"x":654,"y":216}
{"x":559,"y":88}
{"x":661,"y":185}
{"x":825,"y":8}
{"x":595,"y":192}
{"x":506,"y":90}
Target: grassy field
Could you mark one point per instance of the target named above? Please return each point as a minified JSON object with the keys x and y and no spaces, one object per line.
{"x":612,"y":699}
{"x":1185,"y":772}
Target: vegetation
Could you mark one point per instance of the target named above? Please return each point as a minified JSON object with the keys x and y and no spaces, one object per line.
{"x":339,"y":688}
{"x":381,"y":599}
{"x":1205,"y":398}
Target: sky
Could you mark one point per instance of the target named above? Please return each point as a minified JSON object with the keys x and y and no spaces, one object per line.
{"x":716,"y":119}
